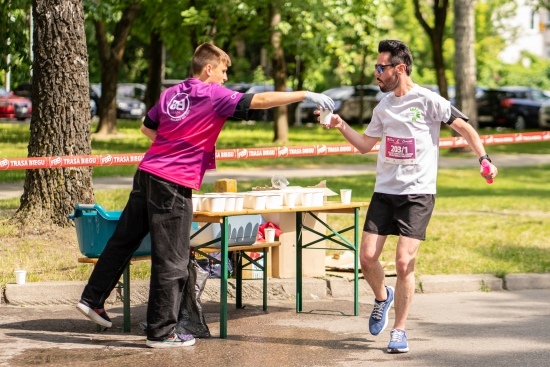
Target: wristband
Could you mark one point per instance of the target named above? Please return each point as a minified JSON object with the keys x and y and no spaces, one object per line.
{"x":486,"y":156}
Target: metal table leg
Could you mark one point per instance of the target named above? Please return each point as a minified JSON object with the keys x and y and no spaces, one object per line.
{"x":299,"y":262}
{"x":126,"y":298}
{"x":223,"y":285}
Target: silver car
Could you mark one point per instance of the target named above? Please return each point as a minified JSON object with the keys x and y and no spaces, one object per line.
{"x":347,"y":101}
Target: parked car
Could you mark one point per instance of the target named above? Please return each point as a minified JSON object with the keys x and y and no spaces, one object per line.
{"x":131,"y":90}
{"x":452,"y":93}
{"x":264,"y":115}
{"x":513,"y":107}
{"x":13,"y":106}
{"x":25,"y":90}
{"x":347,"y":104}
{"x":126,"y":107}
{"x":544,"y":115}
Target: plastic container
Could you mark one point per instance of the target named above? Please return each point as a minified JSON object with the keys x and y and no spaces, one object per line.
{"x":290,"y":198}
{"x":310,"y":197}
{"x":230,"y":203}
{"x":243,"y":230}
{"x":239,"y":202}
{"x":253,"y":200}
{"x":274,"y":200}
{"x":94,"y":226}
{"x":213,"y":203}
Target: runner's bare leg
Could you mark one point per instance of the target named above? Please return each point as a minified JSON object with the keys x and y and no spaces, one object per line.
{"x":405,"y":286}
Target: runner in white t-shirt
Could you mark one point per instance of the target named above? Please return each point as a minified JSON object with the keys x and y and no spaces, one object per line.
{"x":407,"y":123}
{"x":183,"y":126}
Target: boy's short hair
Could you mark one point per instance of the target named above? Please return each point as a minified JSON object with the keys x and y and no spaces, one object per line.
{"x":207,"y":53}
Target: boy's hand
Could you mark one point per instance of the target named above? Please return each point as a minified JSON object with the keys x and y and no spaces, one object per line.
{"x":321,"y":100}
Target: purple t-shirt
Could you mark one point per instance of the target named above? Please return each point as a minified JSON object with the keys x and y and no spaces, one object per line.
{"x":190,"y":116}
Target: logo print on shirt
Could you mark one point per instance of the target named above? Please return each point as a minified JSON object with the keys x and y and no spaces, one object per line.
{"x":414,"y":113}
{"x":178,"y":107}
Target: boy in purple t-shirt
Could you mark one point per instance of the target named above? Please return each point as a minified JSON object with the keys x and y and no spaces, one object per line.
{"x":183,"y":126}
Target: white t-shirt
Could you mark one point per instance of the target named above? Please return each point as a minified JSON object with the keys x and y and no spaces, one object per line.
{"x":409,"y":128}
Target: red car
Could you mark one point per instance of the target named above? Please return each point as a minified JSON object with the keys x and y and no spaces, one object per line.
{"x":14,"y":107}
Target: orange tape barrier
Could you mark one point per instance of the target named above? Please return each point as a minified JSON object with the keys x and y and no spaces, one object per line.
{"x":250,"y":153}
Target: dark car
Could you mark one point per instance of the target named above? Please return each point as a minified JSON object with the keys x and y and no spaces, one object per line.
{"x":13,"y":106}
{"x":347,"y":101}
{"x":25,"y":90}
{"x":512,"y":107}
{"x":126,"y":107}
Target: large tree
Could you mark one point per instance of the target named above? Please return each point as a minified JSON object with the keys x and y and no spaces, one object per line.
{"x":111,"y":44}
{"x":465,"y":61}
{"x":60,"y":122}
{"x":436,"y":35}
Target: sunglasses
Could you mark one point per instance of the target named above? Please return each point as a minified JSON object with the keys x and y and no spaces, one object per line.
{"x":380,"y":67}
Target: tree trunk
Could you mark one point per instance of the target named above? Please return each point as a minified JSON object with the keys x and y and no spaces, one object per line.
{"x":110,"y":58}
{"x":465,"y":60}
{"x":60,"y":121}
{"x":278,"y":73}
{"x":156,"y":71}
{"x":435,"y":34}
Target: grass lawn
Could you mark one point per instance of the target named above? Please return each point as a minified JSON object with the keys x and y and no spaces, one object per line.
{"x":476,"y":228}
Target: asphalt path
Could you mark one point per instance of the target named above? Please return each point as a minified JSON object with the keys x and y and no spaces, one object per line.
{"x":487,"y":329}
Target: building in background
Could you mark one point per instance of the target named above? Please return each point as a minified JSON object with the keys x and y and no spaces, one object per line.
{"x":530,"y":31}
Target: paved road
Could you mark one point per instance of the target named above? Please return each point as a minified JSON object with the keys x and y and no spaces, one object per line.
{"x":8,"y":190}
{"x":500,"y":329}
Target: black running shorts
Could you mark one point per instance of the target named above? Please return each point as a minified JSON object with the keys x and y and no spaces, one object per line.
{"x":405,"y":215}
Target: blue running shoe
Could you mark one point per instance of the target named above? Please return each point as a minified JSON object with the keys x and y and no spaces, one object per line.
{"x":378,"y":319}
{"x":398,"y":342}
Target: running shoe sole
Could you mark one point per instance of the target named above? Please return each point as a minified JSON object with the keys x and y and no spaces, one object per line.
{"x":92,"y":315}
{"x":169,"y":344}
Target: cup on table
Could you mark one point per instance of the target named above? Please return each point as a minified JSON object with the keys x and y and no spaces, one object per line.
{"x":345,"y":196}
{"x":325,"y":116}
{"x":269,"y":234}
{"x":20,"y":276}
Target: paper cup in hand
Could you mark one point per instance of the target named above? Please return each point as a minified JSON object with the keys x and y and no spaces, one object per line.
{"x":325,"y":116}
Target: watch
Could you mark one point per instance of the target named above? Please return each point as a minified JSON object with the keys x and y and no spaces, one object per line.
{"x":486,"y":156}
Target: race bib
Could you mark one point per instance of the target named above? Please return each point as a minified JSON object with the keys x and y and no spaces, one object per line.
{"x":400,"y":150}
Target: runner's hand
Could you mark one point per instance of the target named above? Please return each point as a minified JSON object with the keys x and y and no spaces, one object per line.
{"x":321,"y":100}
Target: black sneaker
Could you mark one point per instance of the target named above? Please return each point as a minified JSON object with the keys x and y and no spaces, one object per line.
{"x":173,"y":340}
{"x":97,"y":315}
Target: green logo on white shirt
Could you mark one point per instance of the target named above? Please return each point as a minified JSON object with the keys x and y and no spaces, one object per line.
{"x":415,"y":114}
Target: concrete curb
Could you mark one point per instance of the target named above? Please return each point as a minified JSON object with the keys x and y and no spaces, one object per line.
{"x":68,"y":293}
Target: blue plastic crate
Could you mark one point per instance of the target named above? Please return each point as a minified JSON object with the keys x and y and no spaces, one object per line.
{"x":94,"y":227}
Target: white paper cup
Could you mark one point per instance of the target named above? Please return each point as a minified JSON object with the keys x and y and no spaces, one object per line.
{"x":325,"y":116}
{"x":345,"y":196}
{"x":20,"y":276}
{"x":269,"y":234}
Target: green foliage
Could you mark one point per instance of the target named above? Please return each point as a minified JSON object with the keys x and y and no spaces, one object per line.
{"x":15,"y":40}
